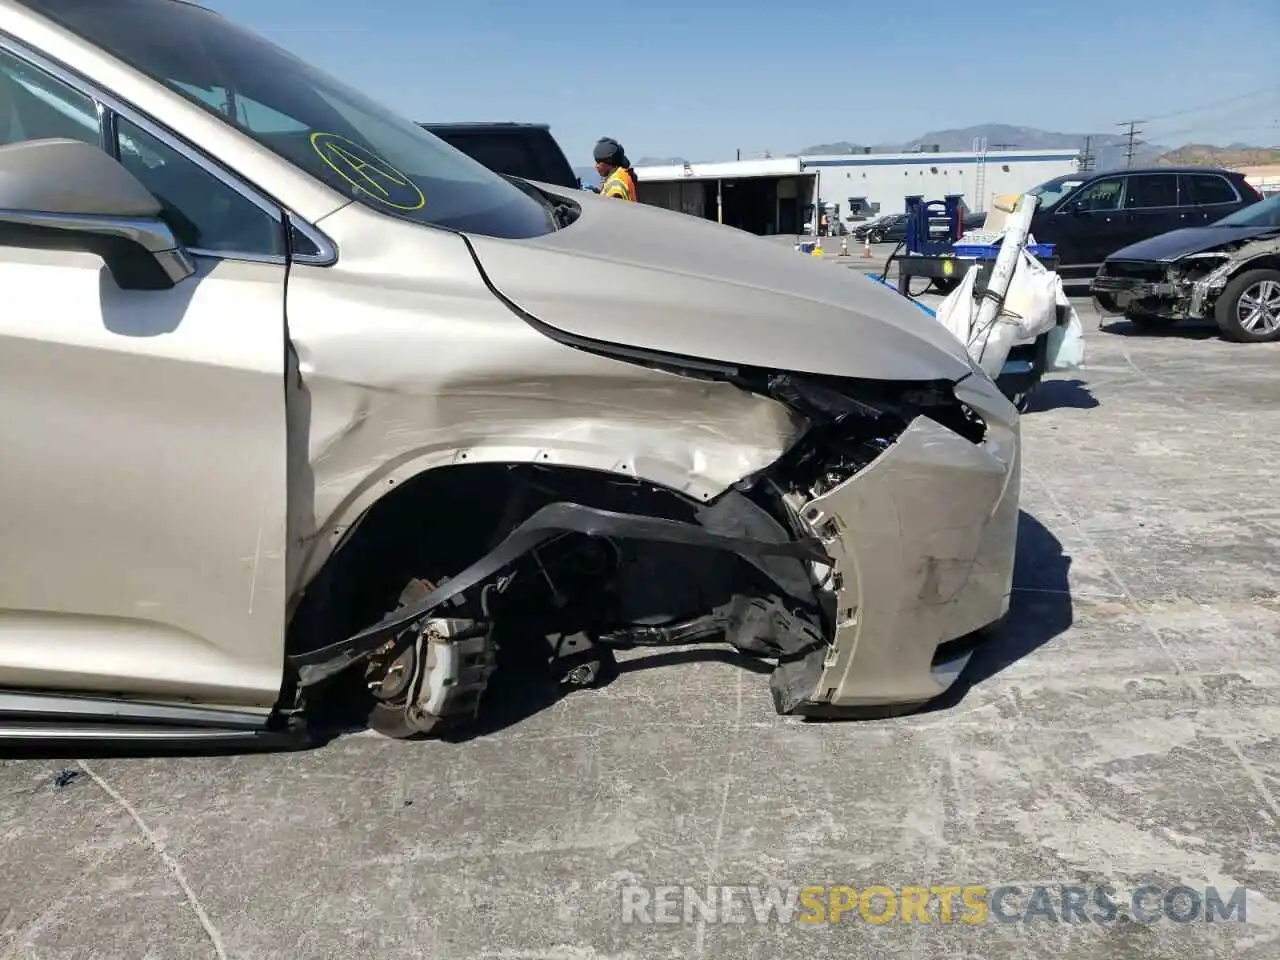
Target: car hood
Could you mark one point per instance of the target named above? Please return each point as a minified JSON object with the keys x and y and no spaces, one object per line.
{"x":652,"y":279}
{"x":1179,"y":243}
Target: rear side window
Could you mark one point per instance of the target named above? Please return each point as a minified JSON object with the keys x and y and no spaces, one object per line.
{"x":1208,"y":188}
{"x":1148,"y":190}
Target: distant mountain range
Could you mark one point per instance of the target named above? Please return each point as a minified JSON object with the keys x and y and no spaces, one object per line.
{"x":1107,"y":149}
{"x":1235,"y":155}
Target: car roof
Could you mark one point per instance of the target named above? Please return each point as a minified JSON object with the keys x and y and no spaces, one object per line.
{"x":1093,"y":175}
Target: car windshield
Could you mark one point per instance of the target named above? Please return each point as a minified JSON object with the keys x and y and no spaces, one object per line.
{"x":319,"y":124}
{"x":1050,"y":193}
{"x":1265,"y":213}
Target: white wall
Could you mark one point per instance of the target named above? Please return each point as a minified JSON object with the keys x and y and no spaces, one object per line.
{"x":888,"y":179}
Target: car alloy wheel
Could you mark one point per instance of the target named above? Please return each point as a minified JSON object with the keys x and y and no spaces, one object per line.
{"x":1258,"y":308}
{"x":1248,"y":310}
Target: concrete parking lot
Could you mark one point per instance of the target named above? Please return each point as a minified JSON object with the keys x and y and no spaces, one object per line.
{"x":1123,"y":729}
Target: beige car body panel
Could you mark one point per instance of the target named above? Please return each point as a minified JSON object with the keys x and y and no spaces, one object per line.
{"x":439,"y":371}
{"x":185,"y":461}
{"x":144,"y":481}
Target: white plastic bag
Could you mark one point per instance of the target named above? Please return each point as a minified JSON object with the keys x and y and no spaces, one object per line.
{"x":1066,"y":344}
{"x":1029,"y":310}
{"x":1031,"y":301}
{"x":958,"y":311}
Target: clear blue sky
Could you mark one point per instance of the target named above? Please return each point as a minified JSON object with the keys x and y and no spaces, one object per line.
{"x":703,"y":79}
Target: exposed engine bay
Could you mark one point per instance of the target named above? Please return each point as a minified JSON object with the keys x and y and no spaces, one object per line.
{"x":420,"y":605}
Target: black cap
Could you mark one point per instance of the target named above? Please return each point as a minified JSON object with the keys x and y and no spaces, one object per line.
{"x":607,"y":150}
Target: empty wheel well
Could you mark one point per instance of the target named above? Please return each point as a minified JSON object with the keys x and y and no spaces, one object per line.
{"x":440,"y":522}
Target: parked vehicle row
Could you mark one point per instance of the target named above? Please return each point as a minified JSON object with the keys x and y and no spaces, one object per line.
{"x":892,"y":227}
{"x":1169,"y":243}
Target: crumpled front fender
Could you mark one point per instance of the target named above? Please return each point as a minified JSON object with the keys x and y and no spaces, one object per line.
{"x":923,"y":542}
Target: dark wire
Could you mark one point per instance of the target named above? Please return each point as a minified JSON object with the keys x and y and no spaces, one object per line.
{"x":885,"y":275}
{"x":892,"y":256}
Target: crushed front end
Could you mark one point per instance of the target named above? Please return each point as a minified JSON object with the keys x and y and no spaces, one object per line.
{"x":861,"y":562}
{"x":913,"y":492}
{"x":1187,"y":287}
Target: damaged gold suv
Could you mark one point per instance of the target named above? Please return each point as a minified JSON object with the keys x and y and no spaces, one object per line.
{"x":306,"y":410}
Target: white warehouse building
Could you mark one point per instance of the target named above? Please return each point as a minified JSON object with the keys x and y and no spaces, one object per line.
{"x":775,"y":196}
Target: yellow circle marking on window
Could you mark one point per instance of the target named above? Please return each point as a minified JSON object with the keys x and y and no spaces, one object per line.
{"x":368,"y":173}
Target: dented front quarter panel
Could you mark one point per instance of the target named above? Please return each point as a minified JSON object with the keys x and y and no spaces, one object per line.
{"x":408,"y":362}
{"x":923,"y":542}
{"x":1205,"y":291}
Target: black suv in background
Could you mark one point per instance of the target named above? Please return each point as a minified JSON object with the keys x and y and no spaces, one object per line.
{"x":525,"y":150}
{"x":1089,"y":216}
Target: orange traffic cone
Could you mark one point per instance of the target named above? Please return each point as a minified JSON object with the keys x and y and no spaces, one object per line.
{"x":866,"y":246}
{"x":844,"y":247}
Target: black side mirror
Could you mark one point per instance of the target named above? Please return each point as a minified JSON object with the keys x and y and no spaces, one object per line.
{"x":67,"y":195}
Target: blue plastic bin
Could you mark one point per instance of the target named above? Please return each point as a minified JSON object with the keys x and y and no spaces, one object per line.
{"x":988,"y":251}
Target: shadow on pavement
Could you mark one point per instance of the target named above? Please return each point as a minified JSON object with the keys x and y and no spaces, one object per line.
{"x":1039,"y":611}
{"x":1061,"y":395}
{"x":521,"y":687}
{"x":1183,"y":330}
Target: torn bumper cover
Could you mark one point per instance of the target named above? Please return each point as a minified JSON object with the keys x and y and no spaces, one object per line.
{"x":923,"y":542}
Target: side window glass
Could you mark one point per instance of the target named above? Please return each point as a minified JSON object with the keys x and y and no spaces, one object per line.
{"x":1206,"y":188}
{"x":1152,"y":190}
{"x":36,"y":106}
{"x":203,"y":212}
{"x":1102,"y":195}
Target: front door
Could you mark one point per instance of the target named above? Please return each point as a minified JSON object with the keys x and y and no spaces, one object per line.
{"x":1090,"y":224}
{"x":142,"y":543}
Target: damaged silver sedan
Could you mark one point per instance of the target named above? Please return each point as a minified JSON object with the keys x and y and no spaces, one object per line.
{"x":310,"y":413}
{"x":1227,"y":271}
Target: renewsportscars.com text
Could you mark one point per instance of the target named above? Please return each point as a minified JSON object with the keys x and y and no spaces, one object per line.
{"x":941,"y":904}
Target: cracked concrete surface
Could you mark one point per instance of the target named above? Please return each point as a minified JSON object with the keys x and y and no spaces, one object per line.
{"x":1124,"y":729}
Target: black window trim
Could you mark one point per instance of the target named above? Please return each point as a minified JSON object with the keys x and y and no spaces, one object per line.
{"x":1227,"y":180}
{"x":109,"y":106}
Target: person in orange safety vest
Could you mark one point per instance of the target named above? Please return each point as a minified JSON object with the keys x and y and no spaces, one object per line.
{"x":619,"y":180}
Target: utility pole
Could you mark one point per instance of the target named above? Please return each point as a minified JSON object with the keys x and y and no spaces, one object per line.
{"x":1086,"y":157}
{"x":1132,"y":143}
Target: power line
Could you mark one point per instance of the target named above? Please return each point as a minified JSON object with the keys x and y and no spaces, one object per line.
{"x":1216,"y":103}
{"x":1233,"y":122}
{"x":1132,"y":143}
